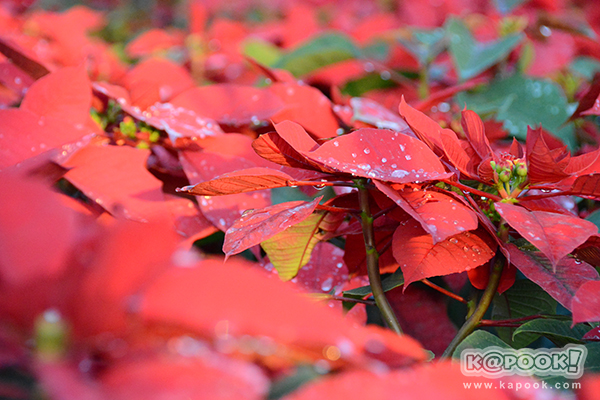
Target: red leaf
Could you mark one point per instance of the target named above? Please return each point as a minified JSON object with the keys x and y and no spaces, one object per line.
{"x":306,"y":106}
{"x":555,"y":235}
{"x":355,"y":254}
{"x":475,"y":132}
{"x":36,"y":231}
{"x":14,"y":78}
{"x":380,"y":154}
{"x":272,"y":147}
{"x":439,"y":214}
{"x":156,"y":80}
{"x":586,"y":303}
{"x":116,"y":178}
{"x":189,"y":221}
{"x":24,"y":134}
{"x":586,"y":185}
{"x":230,"y":104}
{"x":570,"y":274}
{"x":424,"y":127}
{"x":203,"y":166}
{"x":22,"y":59}
{"x":126,"y":258}
{"x":246,"y":180}
{"x":65,"y":94}
{"x":178,"y":122}
{"x":325,"y":271}
{"x":461,"y":154}
{"x":480,"y":277}
{"x":420,"y":258}
{"x":423,"y":315}
{"x":593,"y":334}
{"x":373,"y":113}
{"x":443,"y":380}
{"x":544,"y":164}
{"x":251,"y":303}
{"x":259,"y":225}
{"x":152,"y":41}
{"x":188,"y":376}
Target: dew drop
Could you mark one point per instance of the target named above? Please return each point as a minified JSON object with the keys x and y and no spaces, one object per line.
{"x":453,"y":240}
{"x":408,"y":158}
{"x":367,"y":151}
{"x":384,"y":160}
{"x":327,"y":284}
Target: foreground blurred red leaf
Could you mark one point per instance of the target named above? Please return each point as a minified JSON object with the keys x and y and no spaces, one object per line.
{"x":252,"y":304}
{"x":428,"y":382}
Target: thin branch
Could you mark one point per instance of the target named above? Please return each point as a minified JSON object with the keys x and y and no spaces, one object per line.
{"x":472,"y":190}
{"x":484,"y":303}
{"x":443,"y":291}
{"x":507,"y":322}
{"x":373,"y":259}
{"x":352,"y":300}
{"x":384,"y":211}
{"x":337,"y":209}
{"x":546,"y":195}
{"x":319,"y":183}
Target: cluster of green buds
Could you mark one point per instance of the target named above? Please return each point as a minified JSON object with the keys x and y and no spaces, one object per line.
{"x":145,"y":135}
{"x":510,"y":176}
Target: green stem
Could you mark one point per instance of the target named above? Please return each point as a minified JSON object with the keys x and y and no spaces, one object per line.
{"x":484,"y":303}
{"x":373,"y":259}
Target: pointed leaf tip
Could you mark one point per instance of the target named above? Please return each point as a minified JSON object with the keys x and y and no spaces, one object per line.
{"x":184,"y":189}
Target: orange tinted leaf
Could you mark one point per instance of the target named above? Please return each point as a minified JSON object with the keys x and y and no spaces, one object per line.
{"x":439,"y":214}
{"x":586,"y":303}
{"x":274,"y":148}
{"x":380,"y":154}
{"x":259,"y":225}
{"x":563,"y":283}
{"x":247,"y":180}
{"x":117,"y":179}
{"x":555,"y":235}
{"x":420,"y":257}
{"x":230,"y":104}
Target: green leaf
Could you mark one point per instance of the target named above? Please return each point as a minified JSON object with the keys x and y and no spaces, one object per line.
{"x":289,"y":383}
{"x":479,"y":339}
{"x":389,"y":283}
{"x":591,"y":366}
{"x":506,"y":6}
{"x":471,"y":57}
{"x":559,"y":332}
{"x":519,"y":101}
{"x":326,"y":49}
{"x":523,"y":299}
{"x":585,"y":67}
{"x":264,"y":52}
{"x":594,"y":218}
{"x":290,"y":249}
{"x":425,"y":45}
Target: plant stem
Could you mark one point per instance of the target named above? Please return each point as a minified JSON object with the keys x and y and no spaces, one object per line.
{"x":484,"y":303}
{"x":373,"y":259}
{"x":443,"y":291}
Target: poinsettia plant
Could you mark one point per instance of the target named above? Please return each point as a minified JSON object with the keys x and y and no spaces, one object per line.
{"x":282,"y":192}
